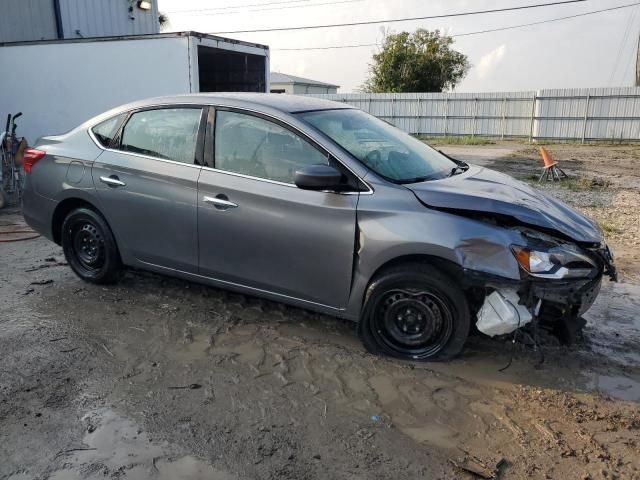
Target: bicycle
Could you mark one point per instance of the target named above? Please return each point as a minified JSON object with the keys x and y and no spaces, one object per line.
{"x":11,"y":157}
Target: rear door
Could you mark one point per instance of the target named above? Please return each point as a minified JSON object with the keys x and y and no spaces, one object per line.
{"x":257,"y":229}
{"x":147,"y":184}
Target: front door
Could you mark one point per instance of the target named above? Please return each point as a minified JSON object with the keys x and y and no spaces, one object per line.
{"x":147,"y":185}
{"x":257,"y":229}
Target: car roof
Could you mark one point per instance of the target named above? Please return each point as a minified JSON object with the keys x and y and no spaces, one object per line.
{"x":277,"y":101}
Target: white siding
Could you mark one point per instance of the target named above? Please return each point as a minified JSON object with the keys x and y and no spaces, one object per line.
{"x":287,"y":87}
{"x":301,"y":88}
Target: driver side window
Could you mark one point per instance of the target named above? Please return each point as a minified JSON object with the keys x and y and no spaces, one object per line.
{"x":252,"y":146}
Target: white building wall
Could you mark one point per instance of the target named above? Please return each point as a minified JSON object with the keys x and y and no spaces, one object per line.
{"x":287,"y":87}
{"x":302,"y":89}
{"x":60,"y":85}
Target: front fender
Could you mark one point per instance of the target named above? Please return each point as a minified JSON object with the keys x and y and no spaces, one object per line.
{"x":411,"y":229}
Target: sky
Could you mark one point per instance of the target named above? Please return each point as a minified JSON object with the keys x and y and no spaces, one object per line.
{"x":592,"y":51}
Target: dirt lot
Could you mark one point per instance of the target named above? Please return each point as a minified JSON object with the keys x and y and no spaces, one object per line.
{"x":91,"y":378}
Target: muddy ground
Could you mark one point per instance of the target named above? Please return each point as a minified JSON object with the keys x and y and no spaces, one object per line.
{"x":94,"y":381}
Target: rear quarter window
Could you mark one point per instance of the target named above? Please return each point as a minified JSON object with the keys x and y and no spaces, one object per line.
{"x":105,"y":131}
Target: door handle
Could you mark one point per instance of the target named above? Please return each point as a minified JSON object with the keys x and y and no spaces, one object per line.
{"x":113,"y":181}
{"x":221,"y":202}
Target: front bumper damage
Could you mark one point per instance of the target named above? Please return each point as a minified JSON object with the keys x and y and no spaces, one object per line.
{"x":562,"y":305}
{"x":554,"y":305}
{"x":575,"y":297}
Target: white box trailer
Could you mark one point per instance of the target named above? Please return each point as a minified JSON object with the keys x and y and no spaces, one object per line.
{"x":58,"y":84}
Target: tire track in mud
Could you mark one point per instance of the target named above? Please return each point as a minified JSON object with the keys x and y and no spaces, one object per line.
{"x":425,"y":407}
{"x":435,"y":410}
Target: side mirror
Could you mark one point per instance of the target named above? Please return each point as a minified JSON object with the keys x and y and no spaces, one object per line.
{"x":317,"y":177}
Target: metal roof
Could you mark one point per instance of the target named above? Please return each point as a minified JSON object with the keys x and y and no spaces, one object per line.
{"x":277,"y":77}
{"x":138,"y":37}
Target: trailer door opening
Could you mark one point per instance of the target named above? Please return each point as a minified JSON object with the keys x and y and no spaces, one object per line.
{"x":227,"y":71}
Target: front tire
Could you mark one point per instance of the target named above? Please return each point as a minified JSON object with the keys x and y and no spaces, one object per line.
{"x":414,"y":312}
{"x":89,"y":247}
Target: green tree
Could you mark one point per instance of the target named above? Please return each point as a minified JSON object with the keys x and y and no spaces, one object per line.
{"x":422,"y":61}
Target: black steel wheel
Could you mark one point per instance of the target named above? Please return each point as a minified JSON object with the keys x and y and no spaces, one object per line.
{"x":89,"y":246}
{"x":416,"y":313}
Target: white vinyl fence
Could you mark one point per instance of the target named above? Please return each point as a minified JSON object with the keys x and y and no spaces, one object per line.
{"x":596,"y":114}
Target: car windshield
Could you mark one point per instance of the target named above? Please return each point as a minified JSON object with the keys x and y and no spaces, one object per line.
{"x":383,"y":148}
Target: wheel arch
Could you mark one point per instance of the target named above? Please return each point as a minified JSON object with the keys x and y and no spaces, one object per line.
{"x":445,"y":265}
{"x":452,"y":269}
{"x":62,"y":210}
{"x":364,"y":276}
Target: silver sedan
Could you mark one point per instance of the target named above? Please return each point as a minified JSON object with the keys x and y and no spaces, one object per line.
{"x":318,"y":205}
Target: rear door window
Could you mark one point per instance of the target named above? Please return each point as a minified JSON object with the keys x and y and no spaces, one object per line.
{"x":253,"y":146}
{"x":166,"y":133}
{"x":105,"y":131}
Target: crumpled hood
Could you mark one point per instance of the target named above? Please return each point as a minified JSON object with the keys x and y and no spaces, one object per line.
{"x":483,"y":190}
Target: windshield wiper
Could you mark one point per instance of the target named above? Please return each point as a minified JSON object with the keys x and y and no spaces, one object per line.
{"x":460,"y":168}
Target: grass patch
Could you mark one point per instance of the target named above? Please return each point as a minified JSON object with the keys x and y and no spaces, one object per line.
{"x":574,"y":184}
{"x":582,"y":184}
{"x":577,"y":184}
{"x":608,"y":228}
{"x":457,"y":140}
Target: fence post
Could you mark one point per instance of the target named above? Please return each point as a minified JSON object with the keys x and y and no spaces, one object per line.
{"x":533,"y":115}
{"x":393,"y":110}
{"x":475,"y":115}
{"x":446,"y":114}
{"x":504,"y":117}
{"x":419,"y":116}
{"x":586,"y":117}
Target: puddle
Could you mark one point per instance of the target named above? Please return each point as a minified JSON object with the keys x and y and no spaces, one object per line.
{"x":613,"y":328}
{"x":116,"y":441}
{"x":117,"y":447}
{"x":617,"y":386}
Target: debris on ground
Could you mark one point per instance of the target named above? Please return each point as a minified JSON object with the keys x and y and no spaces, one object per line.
{"x":477,"y":467}
{"x":192,"y":386}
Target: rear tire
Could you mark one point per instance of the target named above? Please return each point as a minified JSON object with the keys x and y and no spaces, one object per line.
{"x":89,"y":247}
{"x":414,"y":312}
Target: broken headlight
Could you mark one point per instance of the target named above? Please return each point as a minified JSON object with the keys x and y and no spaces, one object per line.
{"x":556,"y":262}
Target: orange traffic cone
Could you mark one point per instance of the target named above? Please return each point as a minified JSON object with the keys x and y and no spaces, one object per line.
{"x":551,"y":169}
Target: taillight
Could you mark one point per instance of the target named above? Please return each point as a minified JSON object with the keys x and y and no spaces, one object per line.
{"x":31,"y":157}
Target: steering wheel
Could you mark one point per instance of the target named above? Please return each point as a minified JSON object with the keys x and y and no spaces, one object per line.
{"x":373,"y":158}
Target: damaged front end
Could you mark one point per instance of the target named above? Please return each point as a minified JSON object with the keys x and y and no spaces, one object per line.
{"x":544,"y":257}
{"x":559,"y":282}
